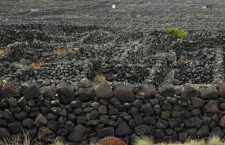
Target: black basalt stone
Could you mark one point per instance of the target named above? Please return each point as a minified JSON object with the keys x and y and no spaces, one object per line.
{"x":122,"y":129}
{"x":66,"y":93}
{"x":30,"y":91}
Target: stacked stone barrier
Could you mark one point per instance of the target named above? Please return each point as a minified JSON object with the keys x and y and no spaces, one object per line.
{"x":85,"y":112}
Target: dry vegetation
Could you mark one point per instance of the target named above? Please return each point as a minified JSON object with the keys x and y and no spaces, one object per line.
{"x":139,"y":141}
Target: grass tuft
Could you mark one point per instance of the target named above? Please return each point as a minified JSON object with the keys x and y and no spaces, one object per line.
{"x":177,"y":33}
{"x":143,"y":141}
{"x":99,"y":79}
{"x":215,"y":140}
{"x":18,"y":141}
{"x":58,"y":142}
{"x":195,"y":142}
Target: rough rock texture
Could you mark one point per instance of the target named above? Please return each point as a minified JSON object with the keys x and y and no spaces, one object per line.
{"x":123,"y":111}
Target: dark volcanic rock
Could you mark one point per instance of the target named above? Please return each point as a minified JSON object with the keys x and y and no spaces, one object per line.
{"x":40,"y":120}
{"x":10,"y":90}
{"x":193,"y":122}
{"x":45,"y":133}
{"x":48,"y":91}
{"x":209,"y":92}
{"x":104,"y":91}
{"x":197,"y":102}
{"x":203,"y":131}
{"x":212,"y":107}
{"x":167,"y":91}
{"x":189,"y":92}
{"x":218,"y":132}
{"x":148,"y":91}
{"x":30,"y":91}
{"x":108,"y":131}
{"x":147,"y":108}
{"x":161,"y":124}
{"x":4,"y":133}
{"x":122,"y":128}
{"x":159,"y":133}
{"x":78,"y":134}
{"x":124,"y":93}
{"x":15,"y":127}
{"x":221,"y":89}
{"x":66,"y":93}
{"x":142,"y":130}
{"x":28,"y":123}
{"x":86,"y":94}
{"x":222,"y":121}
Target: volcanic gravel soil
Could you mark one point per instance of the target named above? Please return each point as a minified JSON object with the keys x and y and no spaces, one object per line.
{"x":52,"y":41}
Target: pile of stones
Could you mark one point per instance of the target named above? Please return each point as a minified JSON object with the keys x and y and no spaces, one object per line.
{"x":87,"y":112}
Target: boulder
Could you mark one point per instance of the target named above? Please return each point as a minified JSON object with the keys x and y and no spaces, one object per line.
{"x":193,"y":122}
{"x":86,"y":94}
{"x":142,"y":129}
{"x":30,"y":91}
{"x":208,"y":92}
{"x":104,"y":91}
{"x":28,"y":123}
{"x":45,"y":133}
{"x":85,"y":83}
{"x":189,"y":92}
{"x":15,"y":127}
{"x":168,"y":91}
{"x":107,"y":131}
{"x":10,"y":90}
{"x":212,"y":107}
{"x":66,"y":93}
{"x":20,"y":116}
{"x":159,"y":133}
{"x":197,"y":102}
{"x":4,"y":133}
{"x":122,"y":129}
{"x":203,"y":131}
{"x":53,"y":125}
{"x":222,"y":121}
{"x":222,"y":106}
{"x":221,"y":89}
{"x":147,"y":108}
{"x":124,"y":93}
{"x":149,"y":91}
{"x":182,"y":136}
{"x":40,"y":120}
{"x":78,"y":134}
{"x":48,"y":91}
{"x":161,"y":124}
{"x":12,"y":102}
{"x":218,"y":132}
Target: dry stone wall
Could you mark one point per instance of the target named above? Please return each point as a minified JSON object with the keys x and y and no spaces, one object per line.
{"x":86,"y":112}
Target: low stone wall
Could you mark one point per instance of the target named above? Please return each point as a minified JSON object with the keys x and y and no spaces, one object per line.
{"x":84,"y":112}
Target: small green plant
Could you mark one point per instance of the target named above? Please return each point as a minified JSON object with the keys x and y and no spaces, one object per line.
{"x":177,"y":33}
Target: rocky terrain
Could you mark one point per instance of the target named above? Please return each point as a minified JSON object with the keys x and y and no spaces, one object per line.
{"x":85,"y":112}
{"x":50,"y":42}
{"x":70,"y":53}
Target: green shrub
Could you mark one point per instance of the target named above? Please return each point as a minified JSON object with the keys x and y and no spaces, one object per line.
{"x":177,"y":33}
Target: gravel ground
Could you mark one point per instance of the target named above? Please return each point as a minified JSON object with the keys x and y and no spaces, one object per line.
{"x":125,"y":44}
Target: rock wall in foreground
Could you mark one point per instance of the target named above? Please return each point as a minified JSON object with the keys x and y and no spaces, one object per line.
{"x":86,"y":112}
